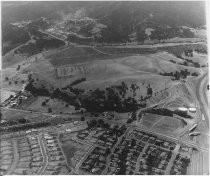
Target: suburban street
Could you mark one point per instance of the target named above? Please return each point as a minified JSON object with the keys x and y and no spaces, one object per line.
{"x":201,"y":95}
{"x":44,"y":154}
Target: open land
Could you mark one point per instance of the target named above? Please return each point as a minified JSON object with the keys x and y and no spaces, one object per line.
{"x":122,"y":109}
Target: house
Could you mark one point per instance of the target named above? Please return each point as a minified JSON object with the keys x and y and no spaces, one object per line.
{"x":35,"y":150}
{"x":50,"y":141}
{"x":109,"y":143}
{"x":34,"y":146}
{"x":112,"y":169}
{"x":68,"y":130}
{"x":37,"y":154}
{"x":51,"y":145}
{"x":102,"y":158}
{"x":95,"y":170}
{"x":93,"y":156}
{"x":127,"y":172}
{"x":36,"y":164}
{"x":87,"y":167}
{"x":48,"y":137}
{"x":89,"y":161}
{"x":185,"y":149}
{"x":161,"y":166}
{"x":39,"y":158}
{"x":52,"y":149}
{"x":28,"y":131}
{"x":144,"y":166}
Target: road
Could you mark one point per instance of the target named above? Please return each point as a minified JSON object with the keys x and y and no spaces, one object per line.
{"x":76,"y":170}
{"x":12,"y":51}
{"x":15,"y":158}
{"x":175,"y":139}
{"x":44,"y":154}
{"x":201,"y":95}
{"x":51,"y":35}
{"x":155,"y":45}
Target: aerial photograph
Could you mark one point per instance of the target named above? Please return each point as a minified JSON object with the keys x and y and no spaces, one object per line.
{"x":104,"y":88}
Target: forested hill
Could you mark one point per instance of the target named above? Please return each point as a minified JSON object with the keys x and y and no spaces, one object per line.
{"x":190,"y":13}
{"x":112,"y":21}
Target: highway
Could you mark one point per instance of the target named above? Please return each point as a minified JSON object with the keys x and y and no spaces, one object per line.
{"x":154,"y":46}
{"x":201,"y":95}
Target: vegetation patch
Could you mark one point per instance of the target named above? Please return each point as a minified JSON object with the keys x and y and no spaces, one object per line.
{"x":69,"y":152}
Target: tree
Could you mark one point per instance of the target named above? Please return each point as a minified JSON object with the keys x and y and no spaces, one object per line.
{"x":141,"y":36}
{"x":187,"y":33}
{"x":149,"y":91}
{"x":101,"y":122}
{"x":18,"y":67}
{"x":82,"y":118}
{"x":43,"y":103}
{"x":129,"y":120}
{"x":108,"y":151}
{"x":133,"y":142}
{"x":92,"y":124}
{"x":194,"y":74}
{"x":6,"y":79}
{"x":157,"y":34}
{"x":49,"y":110}
{"x":23,"y":121}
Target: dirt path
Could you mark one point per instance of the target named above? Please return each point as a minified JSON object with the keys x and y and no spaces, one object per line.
{"x":15,"y":159}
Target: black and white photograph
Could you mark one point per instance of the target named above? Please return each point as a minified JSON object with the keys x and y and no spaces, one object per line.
{"x":104,"y":88}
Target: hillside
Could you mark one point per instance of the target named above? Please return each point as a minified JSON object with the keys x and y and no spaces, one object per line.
{"x":111,"y":22}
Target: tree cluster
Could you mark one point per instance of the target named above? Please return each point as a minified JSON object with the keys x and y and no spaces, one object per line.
{"x":77,"y":81}
{"x":164,"y":33}
{"x":182,"y":74}
{"x":167,"y":112}
{"x":111,"y":99}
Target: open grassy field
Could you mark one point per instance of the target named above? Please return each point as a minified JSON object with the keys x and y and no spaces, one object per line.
{"x":100,"y":73}
{"x":162,"y":124}
{"x":56,"y":105}
{"x":12,"y":80}
{"x":202,"y":59}
{"x":10,"y":58}
{"x":72,"y":55}
{"x":19,"y":114}
{"x":169,"y":125}
{"x":69,"y":151}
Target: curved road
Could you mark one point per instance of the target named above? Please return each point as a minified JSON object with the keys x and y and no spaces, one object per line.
{"x":201,"y":95}
{"x":44,"y":154}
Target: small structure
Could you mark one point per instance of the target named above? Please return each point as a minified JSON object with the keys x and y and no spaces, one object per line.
{"x":183,"y":109}
{"x":192,"y":110}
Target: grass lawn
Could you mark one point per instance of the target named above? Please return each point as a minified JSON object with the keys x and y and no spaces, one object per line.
{"x":69,"y":152}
